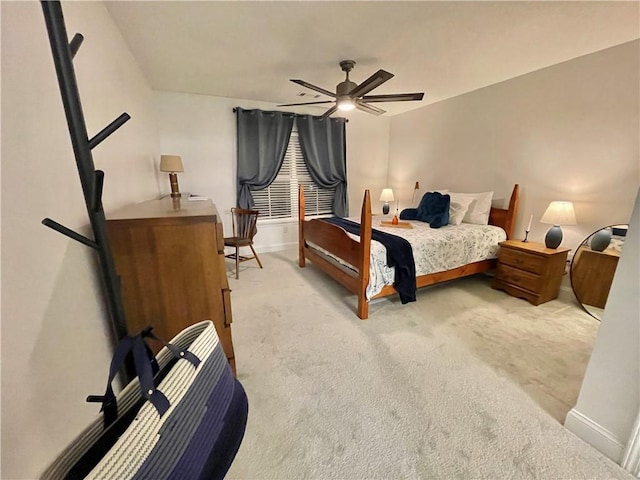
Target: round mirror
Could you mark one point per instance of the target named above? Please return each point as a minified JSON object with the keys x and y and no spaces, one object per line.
{"x":593,"y":266}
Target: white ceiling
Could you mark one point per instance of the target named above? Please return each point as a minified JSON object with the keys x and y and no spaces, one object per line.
{"x":250,"y":50}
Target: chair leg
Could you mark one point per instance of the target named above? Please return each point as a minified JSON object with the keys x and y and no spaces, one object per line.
{"x":256,"y":255}
{"x":237,"y":263}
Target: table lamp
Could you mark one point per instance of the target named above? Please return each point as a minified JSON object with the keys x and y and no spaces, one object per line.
{"x":386,"y":197}
{"x":172,"y":164}
{"x":557,"y":213}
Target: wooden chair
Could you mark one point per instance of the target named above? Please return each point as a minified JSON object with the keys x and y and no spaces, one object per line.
{"x":244,"y":229}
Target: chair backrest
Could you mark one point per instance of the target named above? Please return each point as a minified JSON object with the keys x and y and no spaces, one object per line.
{"x":244,"y":222}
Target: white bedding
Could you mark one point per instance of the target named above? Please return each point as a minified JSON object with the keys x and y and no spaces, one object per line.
{"x":434,"y":249}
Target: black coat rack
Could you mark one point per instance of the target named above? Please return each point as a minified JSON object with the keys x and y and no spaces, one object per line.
{"x":91,"y":179}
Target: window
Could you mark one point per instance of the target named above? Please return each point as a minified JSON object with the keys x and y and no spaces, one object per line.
{"x":280,"y":199}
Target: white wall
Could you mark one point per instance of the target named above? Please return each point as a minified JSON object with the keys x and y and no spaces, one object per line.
{"x":202,"y":129}
{"x":567,"y":132}
{"x":609,"y":400}
{"x":55,"y":347}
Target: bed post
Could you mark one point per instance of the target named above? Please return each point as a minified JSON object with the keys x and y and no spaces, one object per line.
{"x":513,"y":211}
{"x":301,"y":259}
{"x":365,"y":252}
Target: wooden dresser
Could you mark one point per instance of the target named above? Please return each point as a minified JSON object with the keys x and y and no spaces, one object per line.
{"x":529,"y":270}
{"x":169,"y":255}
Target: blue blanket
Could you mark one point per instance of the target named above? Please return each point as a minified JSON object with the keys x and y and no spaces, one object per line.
{"x":399,"y":255}
{"x":433,"y":209}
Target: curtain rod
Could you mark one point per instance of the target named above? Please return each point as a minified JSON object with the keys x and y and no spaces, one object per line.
{"x":235,"y":109}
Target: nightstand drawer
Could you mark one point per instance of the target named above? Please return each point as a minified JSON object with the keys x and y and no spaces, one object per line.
{"x":521,"y":278}
{"x":522,"y":260}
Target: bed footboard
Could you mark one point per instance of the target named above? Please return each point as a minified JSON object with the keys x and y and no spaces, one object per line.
{"x":336,"y":241}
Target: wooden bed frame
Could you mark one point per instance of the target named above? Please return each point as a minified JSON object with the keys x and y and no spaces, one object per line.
{"x":357,"y":253}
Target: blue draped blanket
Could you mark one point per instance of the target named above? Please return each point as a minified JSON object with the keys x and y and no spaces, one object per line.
{"x":399,"y":255}
{"x":433,"y":209}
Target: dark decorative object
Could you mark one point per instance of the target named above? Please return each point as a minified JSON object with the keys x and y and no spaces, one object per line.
{"x":601,"y":239}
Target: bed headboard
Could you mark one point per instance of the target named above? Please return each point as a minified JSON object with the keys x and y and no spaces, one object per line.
{"x":506,"y":218}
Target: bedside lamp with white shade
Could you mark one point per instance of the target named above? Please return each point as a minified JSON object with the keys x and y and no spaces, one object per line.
{"x":557,"y":213}
{"x":386,"y":197}
{"x":172,"y":164}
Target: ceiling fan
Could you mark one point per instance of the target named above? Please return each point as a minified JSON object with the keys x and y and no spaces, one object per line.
{"x":350,"y":95}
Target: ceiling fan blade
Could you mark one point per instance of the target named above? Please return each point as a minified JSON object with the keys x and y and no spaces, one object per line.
{"x":365,"y":107}
{"x":400,"y":97}
{"x":313,"y":87}
{"x":305,"y":103}
{"x":370,"y":83}
{"x":329,"y":112}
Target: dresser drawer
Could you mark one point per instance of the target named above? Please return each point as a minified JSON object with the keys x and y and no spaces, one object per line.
{"x":521,"y":278}
{"x":522,"y":260}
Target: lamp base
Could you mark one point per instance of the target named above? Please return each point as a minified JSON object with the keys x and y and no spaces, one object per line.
{"x":385,"y":208}
{"x":173,"y":180}
{"x":553,"y":238}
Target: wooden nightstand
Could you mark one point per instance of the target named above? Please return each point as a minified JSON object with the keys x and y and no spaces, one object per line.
{"x":530,"y":270}
{"x":592,"y":275}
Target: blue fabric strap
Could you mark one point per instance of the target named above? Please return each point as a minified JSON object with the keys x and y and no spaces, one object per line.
{"x":146,"y":367}
{"x":175,"y":351}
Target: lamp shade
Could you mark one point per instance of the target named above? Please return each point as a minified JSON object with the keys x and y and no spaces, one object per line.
{"x":387,"y":195}
{"x":559,"y":213}
{"x":171,"y":163}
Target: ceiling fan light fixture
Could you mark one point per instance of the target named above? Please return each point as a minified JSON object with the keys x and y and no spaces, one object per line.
{"x":349,"y":95}
{"x":345,"y":104}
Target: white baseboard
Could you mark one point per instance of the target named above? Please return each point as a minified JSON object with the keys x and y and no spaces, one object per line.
{"x":276,"y":248}
{"x":264,"y":248}
{"x":595,"y":435}
{"x":631,"y":456}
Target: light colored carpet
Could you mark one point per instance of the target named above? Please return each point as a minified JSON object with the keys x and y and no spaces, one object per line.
{"x":467,"y":382}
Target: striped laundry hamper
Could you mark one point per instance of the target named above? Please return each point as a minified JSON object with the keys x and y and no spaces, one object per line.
{"x":183,"y":417}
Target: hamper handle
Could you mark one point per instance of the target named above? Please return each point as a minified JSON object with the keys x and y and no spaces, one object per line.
{"x":146,"y":367}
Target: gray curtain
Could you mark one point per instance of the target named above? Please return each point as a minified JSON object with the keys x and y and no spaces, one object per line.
{"x":324,"y":149}
{"x":263,"y":138}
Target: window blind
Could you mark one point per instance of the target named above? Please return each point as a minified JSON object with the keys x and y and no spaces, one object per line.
{"x":280,"y":199}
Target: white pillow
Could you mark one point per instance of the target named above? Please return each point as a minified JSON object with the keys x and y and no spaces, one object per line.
{"x":458,"y":209}
{"x":479,"y":209}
